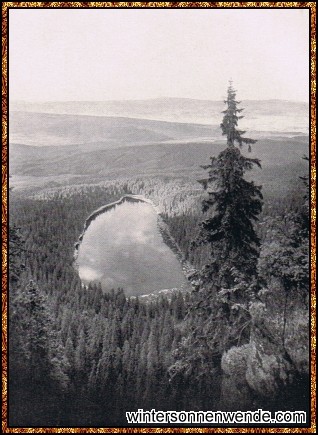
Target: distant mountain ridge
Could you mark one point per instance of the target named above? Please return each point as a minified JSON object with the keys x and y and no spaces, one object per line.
{"x":85,"y":148}
{"x":262,"y":115}
{"x":281,"y":160}
{"x":44,"y":129}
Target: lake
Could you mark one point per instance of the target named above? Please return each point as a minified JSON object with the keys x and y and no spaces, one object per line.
{"x":123,"y":247}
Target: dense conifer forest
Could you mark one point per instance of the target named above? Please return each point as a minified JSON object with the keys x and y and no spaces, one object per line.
{"x":239,"y":340}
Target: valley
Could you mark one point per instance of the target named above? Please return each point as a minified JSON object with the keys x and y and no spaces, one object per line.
{"x":130,"y":331}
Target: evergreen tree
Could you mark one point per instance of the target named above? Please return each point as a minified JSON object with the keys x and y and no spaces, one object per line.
{"x":37,"y":347}
{"x":230,"y":121}
{"x":16,"y":251}
{"x":233,"y":204}
{"x":218,"y":316}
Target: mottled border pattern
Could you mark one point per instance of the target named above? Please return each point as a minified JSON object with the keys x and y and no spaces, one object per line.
{"x":5,"y":6}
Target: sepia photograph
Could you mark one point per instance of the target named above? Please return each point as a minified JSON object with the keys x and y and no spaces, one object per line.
{"x":159,"y":180}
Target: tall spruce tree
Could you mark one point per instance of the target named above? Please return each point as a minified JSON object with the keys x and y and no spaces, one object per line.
{"x":218,"y":315}
{"x":233,"y":204}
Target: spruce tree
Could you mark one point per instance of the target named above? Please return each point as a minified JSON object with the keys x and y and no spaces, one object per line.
{"x":233,"y":204}
{"x":230,"y":121}
{"x":218,"y":315}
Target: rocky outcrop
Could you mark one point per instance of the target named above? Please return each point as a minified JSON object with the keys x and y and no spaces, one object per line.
{"x":235,"y":391}
{"x":275,"y":360}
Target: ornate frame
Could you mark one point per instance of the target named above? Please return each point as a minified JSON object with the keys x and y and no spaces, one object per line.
{"x":5,"y":9}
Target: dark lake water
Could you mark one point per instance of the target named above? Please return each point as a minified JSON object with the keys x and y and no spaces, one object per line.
{"x":123,"y":247}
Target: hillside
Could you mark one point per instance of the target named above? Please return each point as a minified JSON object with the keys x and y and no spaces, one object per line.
{"x":263,"y":115}
{"x":281,"y":162}
{"x":53,"y":149}
{"x":251,"y":312}
{"x":42,"y":129}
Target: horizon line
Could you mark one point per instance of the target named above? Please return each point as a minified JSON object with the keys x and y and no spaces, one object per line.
{"x":149,"y":99}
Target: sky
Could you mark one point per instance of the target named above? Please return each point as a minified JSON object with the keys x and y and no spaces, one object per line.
{"x":116,"y":54}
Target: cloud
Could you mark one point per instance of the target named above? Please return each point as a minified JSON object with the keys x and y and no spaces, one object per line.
{"x":88,"y":274}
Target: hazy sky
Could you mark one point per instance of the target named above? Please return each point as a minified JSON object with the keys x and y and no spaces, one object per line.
{"x":106,"y":54}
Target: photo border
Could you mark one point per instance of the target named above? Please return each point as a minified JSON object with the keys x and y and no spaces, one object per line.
{"x":5,"y":95}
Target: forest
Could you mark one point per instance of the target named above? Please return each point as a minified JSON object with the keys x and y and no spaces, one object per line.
{"x":239,"y":340}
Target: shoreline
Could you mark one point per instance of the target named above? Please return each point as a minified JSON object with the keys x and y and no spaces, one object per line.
{"x":163,"y":228}
{"x":104,"y":208}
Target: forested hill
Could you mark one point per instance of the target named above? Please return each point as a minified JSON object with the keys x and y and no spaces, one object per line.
{"x":42,"y":129}
{"x":239,"y":341}
{"x":281,"y":159}
{"x":108,"y":354}
{"x":54,"y":144}
{"x":264,"y":115}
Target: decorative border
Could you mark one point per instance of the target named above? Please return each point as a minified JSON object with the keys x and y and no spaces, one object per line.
{"x":7,"y":5}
